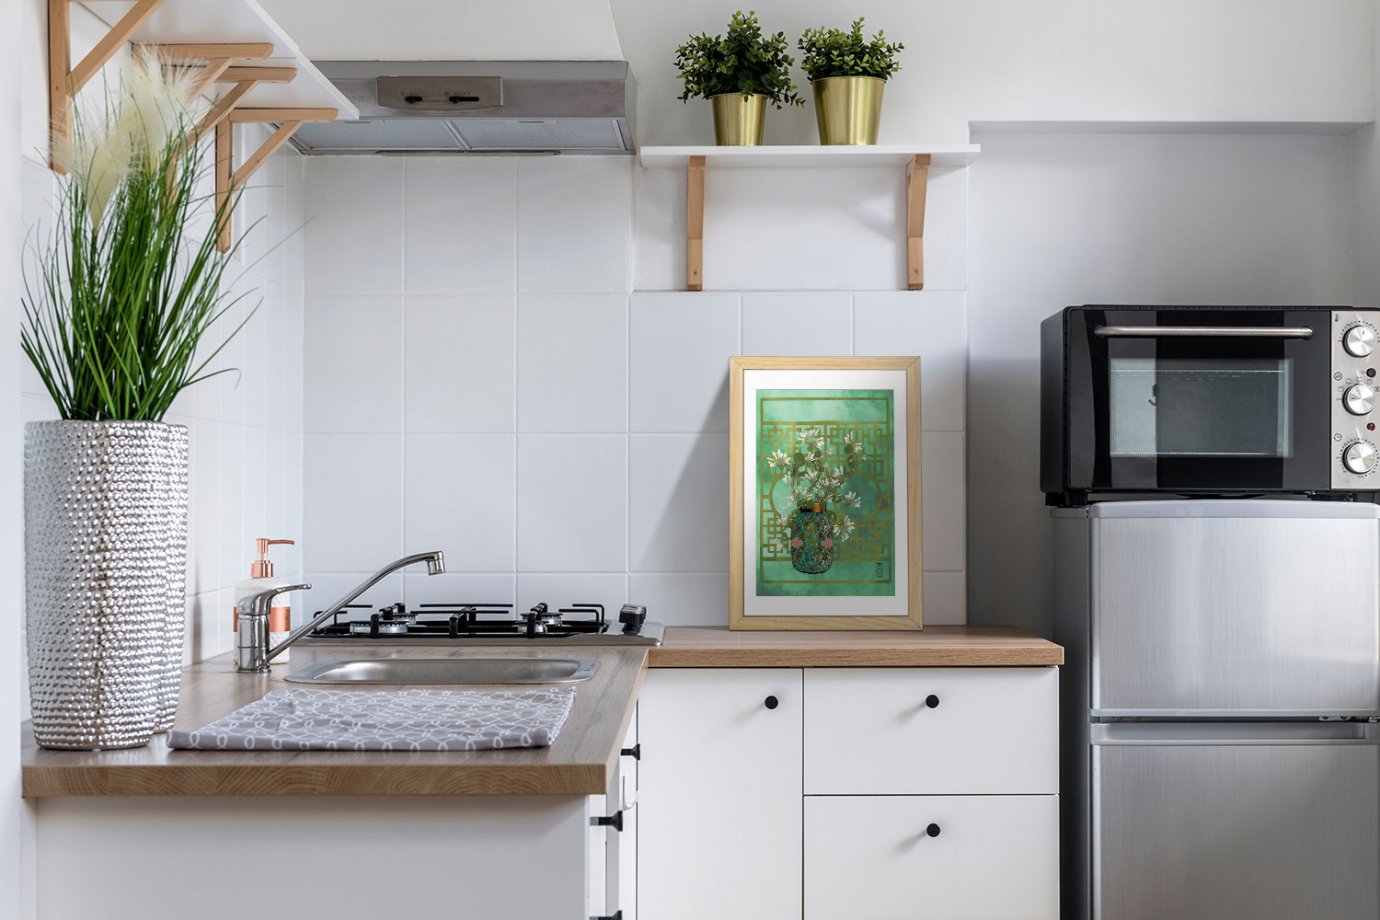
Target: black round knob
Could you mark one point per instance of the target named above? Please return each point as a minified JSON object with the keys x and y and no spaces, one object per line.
{"x":771,"y":702}
{"x":931,"y":702}
{"x":932,"y":830}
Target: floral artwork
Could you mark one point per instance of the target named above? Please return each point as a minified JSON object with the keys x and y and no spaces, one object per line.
{"x":826,"y":493}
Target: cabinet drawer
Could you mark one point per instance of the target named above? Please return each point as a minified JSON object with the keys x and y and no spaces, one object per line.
{"x":931,"y":731}
{"x":994,"y":857}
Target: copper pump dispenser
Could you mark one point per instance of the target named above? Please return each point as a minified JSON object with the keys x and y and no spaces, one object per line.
{"x":280,"y":617}
{"x":262,"y":567}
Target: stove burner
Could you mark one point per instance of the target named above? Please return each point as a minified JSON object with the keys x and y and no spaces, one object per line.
{"x":463,"y":621}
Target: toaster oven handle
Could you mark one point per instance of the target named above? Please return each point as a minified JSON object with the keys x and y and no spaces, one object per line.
{"x":1223,"y":332}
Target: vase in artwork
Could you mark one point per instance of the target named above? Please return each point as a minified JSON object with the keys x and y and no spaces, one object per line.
{"x":812,"y":540}
{"x":105,"y":539}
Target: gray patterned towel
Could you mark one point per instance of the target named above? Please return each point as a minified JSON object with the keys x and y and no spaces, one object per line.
{"x":387,"y":720}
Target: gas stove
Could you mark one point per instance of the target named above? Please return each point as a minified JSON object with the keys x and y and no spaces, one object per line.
{"x":577,"y":624}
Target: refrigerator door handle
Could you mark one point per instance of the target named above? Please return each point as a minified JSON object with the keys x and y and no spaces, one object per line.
{"x":1226,"y":733}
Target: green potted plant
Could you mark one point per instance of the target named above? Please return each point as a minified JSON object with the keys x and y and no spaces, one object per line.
{"x":739,"y":73}
{"x":119,"y":298}
{"x":848,"y":74}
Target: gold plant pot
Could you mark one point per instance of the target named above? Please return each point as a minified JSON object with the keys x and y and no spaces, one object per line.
{"x":738,"y":119}
{"x":848,"y":109}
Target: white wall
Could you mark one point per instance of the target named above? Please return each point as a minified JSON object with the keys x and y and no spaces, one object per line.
{"x":484,"y":377}
{"x":1266,"y":61}
{"x":1365,"y":198}
{"x":13,"y":881}
{"x":1069,"y":219}
{"x":444,"y":30}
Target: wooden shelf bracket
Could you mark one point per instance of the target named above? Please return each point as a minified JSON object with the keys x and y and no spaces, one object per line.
{"x":917,"y":183}
{"x":64,"y":80}
{"x":230,"y":179}
{"x":694,"y":224}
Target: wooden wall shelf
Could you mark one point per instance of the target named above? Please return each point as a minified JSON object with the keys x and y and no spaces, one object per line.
{"x":916,"y":160}
{"x":249,"y":64}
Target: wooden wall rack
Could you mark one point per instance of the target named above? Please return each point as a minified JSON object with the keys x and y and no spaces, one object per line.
{"x":247,"y":68}
{"x":917,"y":162}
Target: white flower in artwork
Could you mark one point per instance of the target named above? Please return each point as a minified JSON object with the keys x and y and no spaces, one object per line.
{"x":853,"y":499}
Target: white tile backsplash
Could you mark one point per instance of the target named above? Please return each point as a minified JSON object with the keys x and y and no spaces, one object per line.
{"x":572,"y":497}
{"x":563,"y":430}
{"x":353,"y":363}
{"x":575,"y":215}
{"x":942,"y":501}
{"x":682,"y":598}
{"x":458,"y":360}
{"x":945,"y":598}
{"x":354,"y":233}
{"x":678,"y":502}
{"x":353,"y":491}
{"x":797,"y":323}
{"x":933,"y":325}
{"x":459,"y":499}
{"x":562,"y":589}
{"x":460,"y":225}
{"x":572,"y":363}
{"x":454,"y":587}
{"x":679,"y":346}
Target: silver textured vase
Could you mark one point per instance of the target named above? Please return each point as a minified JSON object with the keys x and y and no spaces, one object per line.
{"x":105,"y":547}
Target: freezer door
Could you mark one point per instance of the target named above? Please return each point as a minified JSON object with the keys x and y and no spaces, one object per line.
{"x":1260,"y":824}
{"x":1204,"y":616}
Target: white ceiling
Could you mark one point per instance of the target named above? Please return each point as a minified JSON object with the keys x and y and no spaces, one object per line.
{"x":455,"y":30}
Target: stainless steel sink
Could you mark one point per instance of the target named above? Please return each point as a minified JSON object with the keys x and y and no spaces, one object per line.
{"x":447,"y":671}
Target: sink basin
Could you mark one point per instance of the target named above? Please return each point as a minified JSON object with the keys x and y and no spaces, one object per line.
{"x":447,"y":671}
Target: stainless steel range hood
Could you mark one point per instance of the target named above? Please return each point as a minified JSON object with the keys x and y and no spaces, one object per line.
{"x":583,"y":107}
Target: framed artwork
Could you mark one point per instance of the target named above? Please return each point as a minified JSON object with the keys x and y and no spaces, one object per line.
{"x":824,"y":486}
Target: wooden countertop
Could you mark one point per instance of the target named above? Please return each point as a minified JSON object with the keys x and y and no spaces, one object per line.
{"x":933,"y":647}
{"x":580,"y":762}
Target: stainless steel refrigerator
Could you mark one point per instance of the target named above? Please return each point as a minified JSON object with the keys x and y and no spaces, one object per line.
{"x":1220,"y":757}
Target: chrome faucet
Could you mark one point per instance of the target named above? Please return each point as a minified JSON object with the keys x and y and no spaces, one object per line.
{"x":252,"y":650}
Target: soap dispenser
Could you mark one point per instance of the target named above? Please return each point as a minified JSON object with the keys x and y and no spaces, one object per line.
{"x":261,"y":578}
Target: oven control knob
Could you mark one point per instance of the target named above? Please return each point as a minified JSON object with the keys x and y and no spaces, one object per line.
{"x":1359,"y":399}
{"x":1359,"y":340}
{"x":1359,"y":457}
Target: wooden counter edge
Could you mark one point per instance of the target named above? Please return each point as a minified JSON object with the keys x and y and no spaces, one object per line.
{"x":318,"y":780}
{"x":855,"y":658}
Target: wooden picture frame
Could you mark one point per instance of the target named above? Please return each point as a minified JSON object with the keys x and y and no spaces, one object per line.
{"x":868,"y":405}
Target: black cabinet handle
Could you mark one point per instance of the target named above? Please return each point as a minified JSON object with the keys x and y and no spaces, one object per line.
{"x":932,"y":830}
{"x":931,"y":702}
{"x":635,"y":752}
{"x":614,"y":821}
{"x":617,"y":916}
{"x":771,"y":702}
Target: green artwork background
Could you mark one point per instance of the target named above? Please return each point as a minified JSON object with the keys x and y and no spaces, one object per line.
{"x":864,"y":565}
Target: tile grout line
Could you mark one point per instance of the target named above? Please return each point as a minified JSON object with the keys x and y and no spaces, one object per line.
{"x":517,"y":352}
{"x":402,"y":394}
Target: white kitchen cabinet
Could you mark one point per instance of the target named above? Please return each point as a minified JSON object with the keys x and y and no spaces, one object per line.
{"x":991,"y":857}
{"x":719,"y":810}
{"x":931,"y":731}
{"x":845,"y":777}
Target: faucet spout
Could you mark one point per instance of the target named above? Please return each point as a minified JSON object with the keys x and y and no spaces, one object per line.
{"x":257,"y":657}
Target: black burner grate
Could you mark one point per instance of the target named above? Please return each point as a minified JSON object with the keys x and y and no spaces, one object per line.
{"x":464,"y":621}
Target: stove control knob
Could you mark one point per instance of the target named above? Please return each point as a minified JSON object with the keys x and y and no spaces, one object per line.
{"x":1359,"y":399}
{"x":1359,"y":457}
{"x":1359,"y":340}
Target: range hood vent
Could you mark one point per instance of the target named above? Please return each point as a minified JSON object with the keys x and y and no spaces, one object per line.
{"x":429,"y":107}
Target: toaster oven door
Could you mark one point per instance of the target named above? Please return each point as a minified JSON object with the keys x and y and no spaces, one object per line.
{"x":1199,"y":400}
